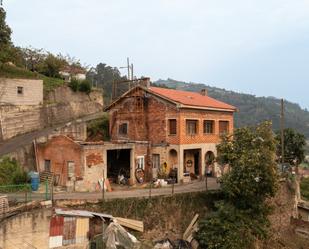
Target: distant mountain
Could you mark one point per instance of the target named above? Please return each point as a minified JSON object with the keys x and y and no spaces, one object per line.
{"x":252,"y":109}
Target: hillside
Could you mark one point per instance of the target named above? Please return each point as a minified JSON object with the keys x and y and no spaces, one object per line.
{"x":252,"y":109}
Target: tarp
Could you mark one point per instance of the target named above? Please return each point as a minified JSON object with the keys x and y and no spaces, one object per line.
{"x":115,"y":236}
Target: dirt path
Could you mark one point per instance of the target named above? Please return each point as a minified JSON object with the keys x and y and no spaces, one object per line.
{"x":185,"y":188}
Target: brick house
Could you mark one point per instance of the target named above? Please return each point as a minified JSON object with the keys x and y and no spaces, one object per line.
{"x":72,"y":162}
{"x":163,"y":129}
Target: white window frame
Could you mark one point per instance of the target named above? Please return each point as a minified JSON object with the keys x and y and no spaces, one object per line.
{"x":140,"y":162}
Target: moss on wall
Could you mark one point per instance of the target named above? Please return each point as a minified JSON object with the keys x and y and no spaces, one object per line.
{"x":162,"y":216}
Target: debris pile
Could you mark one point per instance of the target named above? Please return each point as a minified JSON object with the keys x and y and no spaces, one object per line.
{"x":187,"y":241}
{"x":80,"y":228}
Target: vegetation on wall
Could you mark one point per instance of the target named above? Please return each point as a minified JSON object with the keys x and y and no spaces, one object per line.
{"x":304,"y":188}
{"x":80,"y":85}
{"x":11,"y":172}
{"x":241,"y":218}
{"x":99,"y":129}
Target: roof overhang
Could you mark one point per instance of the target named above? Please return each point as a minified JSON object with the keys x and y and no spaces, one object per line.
{"x":177,"y":104}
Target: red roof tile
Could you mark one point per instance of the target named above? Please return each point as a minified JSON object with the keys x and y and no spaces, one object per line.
{"x":191,"y":98}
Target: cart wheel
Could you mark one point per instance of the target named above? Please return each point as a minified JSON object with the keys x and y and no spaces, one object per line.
{"x":140,"y":175}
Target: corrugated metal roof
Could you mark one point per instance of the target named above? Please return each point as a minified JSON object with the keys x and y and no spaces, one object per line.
{"x":69,"y":231}
{"x":82,"y":229}
{"x":81,"y":213}
{"x":56,"y":226}
{"x":108,"y":216}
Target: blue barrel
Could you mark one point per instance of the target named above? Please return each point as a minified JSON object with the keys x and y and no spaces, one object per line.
{"x":35,"y":180}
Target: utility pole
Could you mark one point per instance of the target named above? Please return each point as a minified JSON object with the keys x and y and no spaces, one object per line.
{"x":129,"y":67}
{"x":132,"y":75}
{"x":282,"y":132}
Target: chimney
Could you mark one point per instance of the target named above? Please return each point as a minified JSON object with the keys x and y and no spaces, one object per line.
{"x":204,"y":92}
{"x":145,"y":82}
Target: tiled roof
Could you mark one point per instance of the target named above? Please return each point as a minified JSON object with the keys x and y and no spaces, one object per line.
{"x":191,"y":98}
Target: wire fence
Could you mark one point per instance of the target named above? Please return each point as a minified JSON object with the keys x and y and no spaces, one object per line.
{"x":23,"y":193}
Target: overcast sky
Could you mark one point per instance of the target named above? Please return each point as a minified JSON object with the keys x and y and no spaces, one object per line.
{"x":252,"y":46}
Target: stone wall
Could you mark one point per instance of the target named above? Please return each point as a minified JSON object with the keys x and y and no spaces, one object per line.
{"x":15,"y":120}
{"x":61,"y":106}
{"x":64,"y":94}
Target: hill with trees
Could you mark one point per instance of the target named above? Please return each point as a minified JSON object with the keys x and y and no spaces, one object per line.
{"x":251,"y":109}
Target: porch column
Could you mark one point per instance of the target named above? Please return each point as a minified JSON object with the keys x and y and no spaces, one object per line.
{"x":203,"y":153}
{"x":180,"y":160}
{"x":105,"y":163}
{"x":132,"y":166}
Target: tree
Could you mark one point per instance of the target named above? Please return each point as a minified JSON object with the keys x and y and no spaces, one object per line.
{"x":251,"y":155}
{"x":242,"y":217}
{"x":5,"y":38}
{"x":5,"y":30}
{"x":33,"y":58}
{"x":52,"y":65}
{"x":103,"y":76}
{"x":294,"y":146}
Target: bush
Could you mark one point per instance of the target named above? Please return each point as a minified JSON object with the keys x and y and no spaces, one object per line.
{"x":74,"y":85}
{"x":84,"y":86}
{"x":81,"y":86}
{"x":231,"y":228}
{"x":304,"y":188}
{"x":99,"y":128}
{"x":11,"y":172}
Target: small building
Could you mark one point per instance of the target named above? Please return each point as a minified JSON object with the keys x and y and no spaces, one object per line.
{"x":72,"y":72}
{"x":166,"y":130}
{"x":21,"y":92}
{"x":76,"y":165}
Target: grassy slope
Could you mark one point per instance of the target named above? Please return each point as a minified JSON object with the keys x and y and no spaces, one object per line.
{"x":49,"y":83}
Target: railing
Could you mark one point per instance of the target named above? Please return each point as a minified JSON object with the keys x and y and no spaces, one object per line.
{"x":15,"y":188}
{"x":22,"y":193}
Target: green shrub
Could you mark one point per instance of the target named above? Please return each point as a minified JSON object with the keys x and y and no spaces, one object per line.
{"x":84,"y":86}
{"x":99,"y":128}
{"x":74,"y":85}
{"x":304,"y":188}
{"x":231,"y":228}
{"x":81,"y":86}
{"x":11,"y":172}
